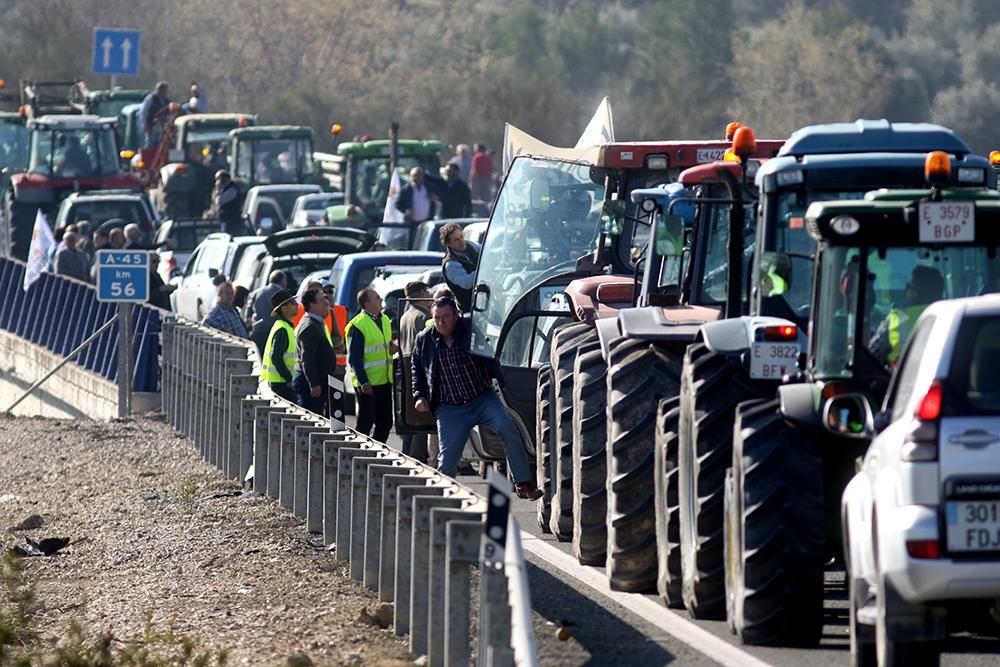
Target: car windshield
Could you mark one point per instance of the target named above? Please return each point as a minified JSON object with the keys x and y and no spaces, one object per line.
{"x":108,"y":107}
{"x":899,"y":284}
{"x":546,"y":217}
{"x":73,"y":153}
{"x":321,"y":203}
{"x":186,"y":237}
{"x":370,"y":182}
{"x":285,"y":198}
{"x":13,"y":146}
{"x":298,"y":268}
{"x":274,"y":160}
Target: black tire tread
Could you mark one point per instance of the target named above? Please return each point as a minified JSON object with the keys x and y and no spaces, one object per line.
{"x":640,"y":375}
{"x":543,"y":449}
{"x":590,"y":432}
{"x":668,"y":537}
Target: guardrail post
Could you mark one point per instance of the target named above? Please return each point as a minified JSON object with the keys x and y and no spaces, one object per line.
{"x":286,"y":482}
{"x":387,"y":544}
{"x":345,"y":489}
{"x":439,"y":605}
{"x":359,"y":505}
{"x":300,"y":495}
{"x":373,"y":517}
{"x":274,"y":448}
{"x":332,"y":444}
{"x":240,"y":386}
{"x":314,"y":481}
{"x":403,"y":574}
{"x":421,"y":568}
{"x":462,"y":547}
{"x":261,"y":445}
{"x":494,"y":613}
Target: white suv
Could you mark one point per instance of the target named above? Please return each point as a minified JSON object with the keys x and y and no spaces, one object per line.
{"x":922,"y":516}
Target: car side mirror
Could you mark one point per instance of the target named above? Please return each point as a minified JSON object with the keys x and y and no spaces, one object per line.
{"x":882,"y":420}
{"x":212,"y":273}
{"x":849,"y":416}
{"x":481,"y":298}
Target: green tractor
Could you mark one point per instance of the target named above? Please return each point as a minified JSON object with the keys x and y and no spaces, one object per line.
{"x":199,"y":146}
{"x":362,"y":171}
{"x":272,"y":155}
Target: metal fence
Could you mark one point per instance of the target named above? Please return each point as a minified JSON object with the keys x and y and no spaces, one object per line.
{"x":59,"y":313}
{"x":408,"y":532}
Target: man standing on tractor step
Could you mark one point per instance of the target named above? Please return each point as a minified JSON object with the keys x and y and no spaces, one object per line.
{"x":228,"y":204}
{"x":457,"y":388}
{"x":369,"y":354}
{"x":152,"y":106}
{"x":459,"y":265}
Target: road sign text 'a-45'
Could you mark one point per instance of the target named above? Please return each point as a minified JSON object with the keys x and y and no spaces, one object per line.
{"x":116,"y":52}
{"x":123,"y":275}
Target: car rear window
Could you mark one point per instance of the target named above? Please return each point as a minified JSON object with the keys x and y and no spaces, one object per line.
{"x":189,"y":236}
{"x":973,"y":389}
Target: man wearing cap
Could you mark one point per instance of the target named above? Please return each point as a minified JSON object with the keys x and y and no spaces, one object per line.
{"x":370,"y":349}
{"x":279,"y":350}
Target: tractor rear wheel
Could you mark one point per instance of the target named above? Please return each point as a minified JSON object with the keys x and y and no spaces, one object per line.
{"x":640,"y":375}
{"x":543,"y":447}
{"x":565,"y":343}
{"x":711,"y":388}
{"x":775,"y":530}
{"x":590,"y":471}
{"x":668,"y":529}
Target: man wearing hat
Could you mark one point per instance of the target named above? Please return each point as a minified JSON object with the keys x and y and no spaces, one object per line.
{"x":279,"y":350}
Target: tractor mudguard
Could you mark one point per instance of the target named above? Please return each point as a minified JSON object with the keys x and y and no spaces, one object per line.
{"x":735,"y":335}
{"x":801,"y":404}
{"x":662,"y":324}
{"x":175,"y":180}
{"x":607,"y":331}
{"x":31,"y":194}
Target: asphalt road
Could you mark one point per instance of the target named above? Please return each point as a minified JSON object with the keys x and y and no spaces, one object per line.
{"x":611,"y":628}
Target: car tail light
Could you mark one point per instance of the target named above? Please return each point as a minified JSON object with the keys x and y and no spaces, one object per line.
{"x":921,"y":443}
{"x":780,"y":333}
{"x":171,"y":265}
{"x":928,"y":549}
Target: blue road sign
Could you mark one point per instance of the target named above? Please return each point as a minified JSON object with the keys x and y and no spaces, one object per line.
{"x":116,"y":51}
{"x":123,"y":275}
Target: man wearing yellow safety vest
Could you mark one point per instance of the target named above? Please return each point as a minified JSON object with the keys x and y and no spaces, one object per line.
{"x":926,"y":285}
{"x":369,"y":354}
{"x":279,"y":350}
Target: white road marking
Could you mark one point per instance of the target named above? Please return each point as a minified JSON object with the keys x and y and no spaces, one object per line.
{"x":653,"y":613}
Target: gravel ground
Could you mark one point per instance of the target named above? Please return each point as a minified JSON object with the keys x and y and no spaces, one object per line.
{"x":156,"y":530}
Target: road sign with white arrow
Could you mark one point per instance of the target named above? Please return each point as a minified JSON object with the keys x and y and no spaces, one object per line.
{"x":116,"y":52}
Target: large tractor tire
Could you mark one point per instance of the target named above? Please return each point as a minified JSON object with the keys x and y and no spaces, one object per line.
{"x":590,"y":459}
{"x":640,"y":375}
{"x":774,"y":530}
{"x":19,"y":224}
{"x":565,"y":343}
{"x":543,"y":446}
{"x":711,"y":388}
{"x":668,"y":528}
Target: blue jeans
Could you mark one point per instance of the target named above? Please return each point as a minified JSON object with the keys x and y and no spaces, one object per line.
{"x":454,"y":422}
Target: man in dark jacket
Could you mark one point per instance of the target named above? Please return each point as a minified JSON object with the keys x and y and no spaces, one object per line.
{"x":456,"y":198}
{"x":316,"y":359}
{"x":417,"y":202}
{"x":459,"y":265}
{"x":229,"y":204}
{"x":456,"y":386}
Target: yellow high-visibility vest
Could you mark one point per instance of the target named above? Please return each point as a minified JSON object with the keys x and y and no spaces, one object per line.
{"x":378,"y":357}
{"x":269,"y":371}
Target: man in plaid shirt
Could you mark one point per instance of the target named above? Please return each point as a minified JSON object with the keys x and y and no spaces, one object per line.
{"x":456,"y":386}
{"x":223,"y":315}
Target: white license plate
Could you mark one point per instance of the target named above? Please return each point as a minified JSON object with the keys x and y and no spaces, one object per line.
{"x":947,"y":222}
{"x":703,"y":155}
{"x":973,"y":525}
{"x":771,"y":361}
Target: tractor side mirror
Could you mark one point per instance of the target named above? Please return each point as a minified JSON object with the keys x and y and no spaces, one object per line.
{"x":175,"y":155}
{"x":669,"y":235}
{"x":212,"y":273}
{"x":481,"y":298}
{"x":539,"y":195}
{"x":849,"y":416}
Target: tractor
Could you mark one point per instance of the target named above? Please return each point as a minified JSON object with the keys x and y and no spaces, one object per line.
{"x":271,"y":155}
{"x":879,"y":261}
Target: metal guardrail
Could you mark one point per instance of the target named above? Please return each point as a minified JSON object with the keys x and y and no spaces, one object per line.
{"x":59,"y":313}
{"x":407,"y":531}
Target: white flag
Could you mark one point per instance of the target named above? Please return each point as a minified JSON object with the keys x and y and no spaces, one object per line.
{"x":600,"y":129}
{"x":393,"y":237}
{"x":38,"y":252}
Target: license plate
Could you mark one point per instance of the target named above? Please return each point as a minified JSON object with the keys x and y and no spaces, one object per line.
{"x":973,"y":525}
{"x":703,"y":155}
{"x":771,"y":361}
{"x":947,"y":222}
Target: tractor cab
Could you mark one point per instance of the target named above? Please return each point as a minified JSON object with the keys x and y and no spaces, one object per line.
{"x":271,"y":155}
{"x":104,"y":103}
{"x":13,"y":143}
{"x":199,"y":146}
{"x":362,"y":170}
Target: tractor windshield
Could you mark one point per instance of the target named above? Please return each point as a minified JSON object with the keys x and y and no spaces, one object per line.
{"x":899,"y":283}
{"x":73,"y":153}
{"x":13,"y":146}
{"x":371,"y":178}
{"x":274,"y":160}
{"x":546,"y":217}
